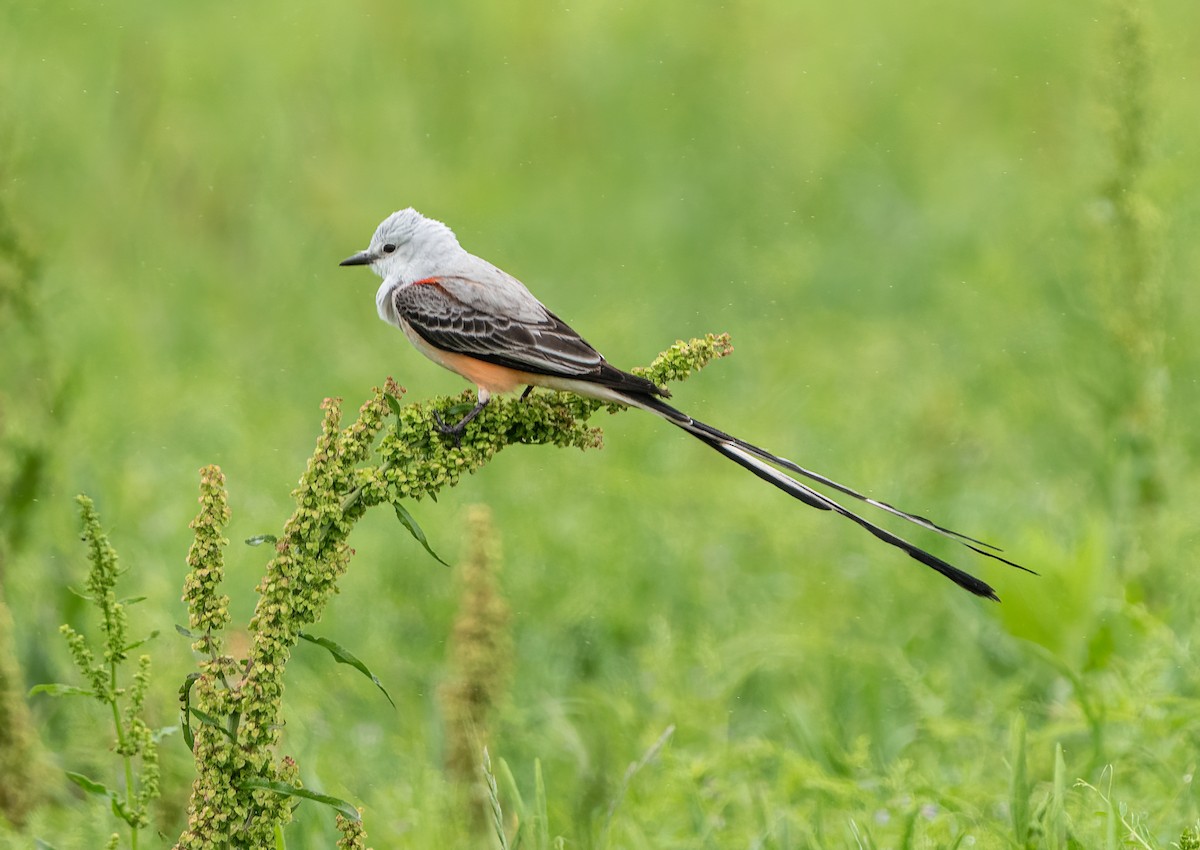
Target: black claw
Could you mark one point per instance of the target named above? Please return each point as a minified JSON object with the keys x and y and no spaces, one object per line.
{"x":455,"y":431}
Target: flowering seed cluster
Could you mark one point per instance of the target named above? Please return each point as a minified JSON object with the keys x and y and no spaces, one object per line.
{"x":236,"y":705}
{"x":133,"y":737}
{"x":242,"y":704}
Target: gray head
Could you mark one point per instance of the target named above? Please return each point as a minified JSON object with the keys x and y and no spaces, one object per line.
{"x":406,"y":241}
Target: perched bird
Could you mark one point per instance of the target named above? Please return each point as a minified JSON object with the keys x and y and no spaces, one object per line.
{"x":465,"y":314}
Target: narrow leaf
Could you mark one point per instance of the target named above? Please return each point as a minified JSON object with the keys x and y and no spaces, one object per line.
{"x":259,"y":539}
{"x":89,"y":785}
{"x":133,"y":600}
{"x":504,"y":776}
{"x":630,"y":772}
{"x":185,"y":709}
{"x":1018,"y":784}
{"x":393,"y":403}
{"x":344,"y":656}
{"x":209,"y":720}
{"x":540,"y":807}
{"x":58,"y":690}
{"x":286,"y":790}
{"x":406,"y":519}
{"x":138,"y":643}
{"x":187,"y":633}
{"x":512,"y":792}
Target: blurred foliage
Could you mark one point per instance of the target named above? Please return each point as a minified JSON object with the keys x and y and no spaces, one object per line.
{"x":480,"y":653}
{"x":28,"y":414}
{"x":901,"y":214}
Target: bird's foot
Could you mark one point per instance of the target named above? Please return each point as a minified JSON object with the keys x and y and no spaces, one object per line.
{"x":455,"y":431}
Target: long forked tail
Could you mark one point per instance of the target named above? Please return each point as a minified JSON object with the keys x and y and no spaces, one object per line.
{"x":762,"y":463}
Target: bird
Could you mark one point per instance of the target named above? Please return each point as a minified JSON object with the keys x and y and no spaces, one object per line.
{"x":472,"y":318}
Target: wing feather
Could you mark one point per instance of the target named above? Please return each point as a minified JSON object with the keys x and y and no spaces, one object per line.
{"x":532,"y":340}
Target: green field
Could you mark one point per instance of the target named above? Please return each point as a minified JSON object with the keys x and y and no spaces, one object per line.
{"x":954,"y":246}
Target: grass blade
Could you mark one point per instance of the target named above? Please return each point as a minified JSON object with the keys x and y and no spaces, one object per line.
{"x":630,"y":773}
{"x":540,"y":816}
{"x":1018,"y":786}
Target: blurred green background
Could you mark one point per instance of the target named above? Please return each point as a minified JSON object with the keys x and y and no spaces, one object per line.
{"x":908,"y":216}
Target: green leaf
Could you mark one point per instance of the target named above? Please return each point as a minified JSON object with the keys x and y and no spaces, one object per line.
{"x":138,"y":643}
{"x":58,"y":690}
{"x":186,"y":687}
{"x":406,"y":519}
{"x":259,"y":539}
{"x":132,"y":600}
{"x":286,"y":790}
{"x":344,"y":656}
{"x":185,"y":709}
{"x":187,"y":633}
{"x":121,"y":810}
{"x":209,"y":720}
{"x":393,"y":403}
{"x":89,"y":785}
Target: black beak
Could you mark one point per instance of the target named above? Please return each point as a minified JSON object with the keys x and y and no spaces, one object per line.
{"x":362,"y":258}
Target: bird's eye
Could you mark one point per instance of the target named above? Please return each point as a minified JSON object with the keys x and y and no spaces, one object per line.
{"x":389,"y":248}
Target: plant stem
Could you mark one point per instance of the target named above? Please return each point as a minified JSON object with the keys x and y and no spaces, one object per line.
{"x":353,"y":496}
{"x":121,"y":748}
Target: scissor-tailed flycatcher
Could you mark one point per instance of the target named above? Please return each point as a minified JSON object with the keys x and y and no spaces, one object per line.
{"x":465,"y":314}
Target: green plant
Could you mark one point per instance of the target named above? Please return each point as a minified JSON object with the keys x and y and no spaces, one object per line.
{"x":1133,"y":295}
{"x":123,"y":695}
{"x":480,"y":650}
{"x":243,"y":791}
{"x":31,"y":410}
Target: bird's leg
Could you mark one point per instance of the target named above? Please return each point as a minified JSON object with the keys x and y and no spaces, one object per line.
{"x":455,"y":431}
{"x":525,"y":394}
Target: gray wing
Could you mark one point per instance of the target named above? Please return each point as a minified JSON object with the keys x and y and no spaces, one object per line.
{"x":537,"y":342}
